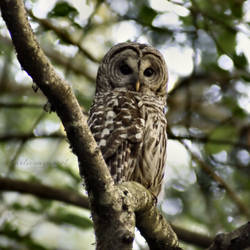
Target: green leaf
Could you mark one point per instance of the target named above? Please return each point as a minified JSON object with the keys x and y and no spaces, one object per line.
{"x":227,"y":41}
{"x":236,"y":8}
{"x":211,"y":66}
{"x":240,"y":61}
{"x":29,"y":207}
{"x":63,"y":9}
{"x":221,"y":133}
{"x":187,"y":20}
{"x":11,"y":232}
{"x":236,"y":110}
{"x":246,"y":77}
{"x":147,"y":15}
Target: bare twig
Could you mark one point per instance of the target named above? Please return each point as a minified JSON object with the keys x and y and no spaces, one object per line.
{"x":58,"y":58}
{"x":206,"y":139}
{"x":65,"y":61}
{"x":29,"y":136}
{"x":20,"y":105}
{"x":64,"y":35}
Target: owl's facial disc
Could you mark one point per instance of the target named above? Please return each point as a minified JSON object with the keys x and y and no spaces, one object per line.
{"x":133,"y":67}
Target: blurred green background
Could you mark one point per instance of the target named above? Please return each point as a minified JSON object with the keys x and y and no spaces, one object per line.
{"x":207,"y":49}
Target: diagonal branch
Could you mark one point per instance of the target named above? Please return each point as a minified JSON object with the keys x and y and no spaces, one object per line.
{"x":29,"y":136}
{"x":231,"y":193}
{"x":64,"y":35}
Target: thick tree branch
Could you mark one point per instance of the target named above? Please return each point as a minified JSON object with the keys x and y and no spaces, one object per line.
{"x":238,"y":239}
{"x":194,"y":238}
{"x":97,"y":177}
{"x":112,"y":210}
{"x":153,"y":228}
{"x":73,"y":198}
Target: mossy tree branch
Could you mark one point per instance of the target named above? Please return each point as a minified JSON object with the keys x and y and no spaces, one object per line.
{"x":238,"y":239}
{"x":113,"y":207}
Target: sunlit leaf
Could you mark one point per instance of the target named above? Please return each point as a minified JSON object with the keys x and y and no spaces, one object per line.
{"x":31,"y":208}
{"x":240,"y":60}
{"x":147,"y":15}
{"x":187,"y":20}
{"x":226,"y":41}
{"x":236,"y":7}
{"x":234,"y":107}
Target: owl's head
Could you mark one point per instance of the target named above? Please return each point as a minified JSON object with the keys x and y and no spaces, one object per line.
{"x":133,"y":67}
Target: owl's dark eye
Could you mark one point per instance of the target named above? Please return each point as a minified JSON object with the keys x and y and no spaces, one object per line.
{"x":125,"y":69}
{"x":148,"y":72}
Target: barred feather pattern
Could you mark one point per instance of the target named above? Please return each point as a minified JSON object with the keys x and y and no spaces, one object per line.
{"x":130,"y":129}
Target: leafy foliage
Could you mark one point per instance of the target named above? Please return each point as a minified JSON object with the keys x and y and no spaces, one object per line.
{"x":206,"y":46}
{"x":63,"y":9}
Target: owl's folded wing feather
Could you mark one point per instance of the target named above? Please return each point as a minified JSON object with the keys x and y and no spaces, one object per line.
{"x":118,"y":130}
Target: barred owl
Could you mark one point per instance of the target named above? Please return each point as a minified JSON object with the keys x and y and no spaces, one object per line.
{"x":127,"y":117}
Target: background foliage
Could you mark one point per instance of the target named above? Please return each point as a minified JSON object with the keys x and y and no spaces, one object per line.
{"x":206,"y":46}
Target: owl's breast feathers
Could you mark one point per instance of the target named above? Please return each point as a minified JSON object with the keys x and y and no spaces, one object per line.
{"x":130,"y":130}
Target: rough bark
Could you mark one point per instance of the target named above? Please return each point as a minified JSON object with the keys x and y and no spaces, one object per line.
{"x":239,"y":239}
{"x":112,"y":210}
{"x":194,"y":238}
{"x":153,"y":226}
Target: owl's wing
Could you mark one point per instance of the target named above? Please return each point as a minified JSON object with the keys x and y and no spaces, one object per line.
{"x":117,"y":126}
{"x":152,"y":156}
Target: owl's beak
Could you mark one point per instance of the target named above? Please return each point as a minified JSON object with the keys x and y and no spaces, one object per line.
{"x":137,"y":86}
